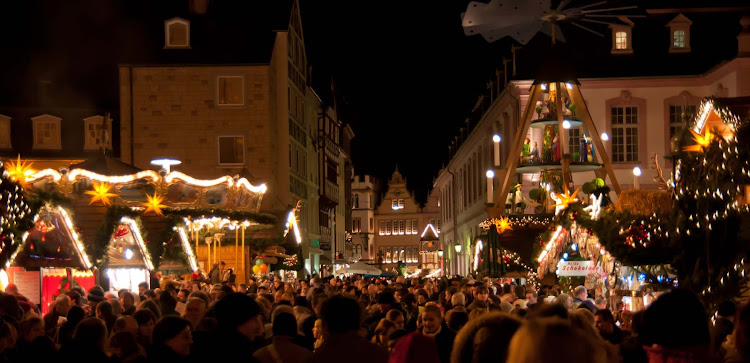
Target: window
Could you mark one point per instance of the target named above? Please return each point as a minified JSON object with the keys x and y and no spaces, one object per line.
{"x":230,"y":90}
{"x":177,"y":33}
{"x":401,"y":224}
{"x":397,"y":204}
{"x":388,"y":228}
{"x":5,"y":132}
{"x":356,"y":200}
{"x":678,"y":37}
{"x":676,"y":121}
{"x":408,"y":226}
{"x":621,"y":40}
{"x":388,"y":255}
{"x":356,"y":225}
{"x":46,"y":132}
{"x":371,"y":224}
{"x":575,"y":141}
{"x":381,"y":228}
{"x":97,"y":134}
{"x":414,"y":226}
{"x":231,"y":150}
{"x":625,"y":134}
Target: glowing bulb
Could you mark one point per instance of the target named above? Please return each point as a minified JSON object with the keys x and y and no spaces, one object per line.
{"x":490,"y":174}
{"x":128,"y":254}
{"x":496,"y":138}
{"x":605,"y":137}
{"x":574,"y":247}
{"x":566,"y":124}
{"x":637,"y":171}
{"x":565,"y":255}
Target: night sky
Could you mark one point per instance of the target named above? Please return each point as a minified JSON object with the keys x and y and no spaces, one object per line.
{"x":408,"y":75}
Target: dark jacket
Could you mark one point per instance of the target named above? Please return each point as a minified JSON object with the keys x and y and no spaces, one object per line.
{"x":349,"y":347}
{"x":444,"y":341}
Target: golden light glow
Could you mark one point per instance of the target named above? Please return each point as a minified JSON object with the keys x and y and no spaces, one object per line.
{"x":198,"y":182}
{"x":154,"y":204}
{"x":702,"y":141}
{"x":20,"y":171}
{"x":45,"y":173}
{"x":291,"y":224}
{"x":101,"y":193}
{"x":146,"y":174}
{"x":188,"y":250}
{"x":139,"y":241}
{"x":502,"y":224}
{"x":255,"y":189}
{"x":562,"y":201}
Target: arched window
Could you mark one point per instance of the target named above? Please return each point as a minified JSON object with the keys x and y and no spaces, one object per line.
{"x":177,"y":33}
{"x":356,"y":201}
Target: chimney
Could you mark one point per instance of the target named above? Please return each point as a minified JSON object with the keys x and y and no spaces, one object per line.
{"x":743,"y":39}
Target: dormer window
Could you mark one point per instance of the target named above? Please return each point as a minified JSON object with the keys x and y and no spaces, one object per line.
{"x":622,"y":37}
{"x":46,"y":132}
{"x":679,"y":32}
{"x":98,"y":133}
{"x":177,"y":33}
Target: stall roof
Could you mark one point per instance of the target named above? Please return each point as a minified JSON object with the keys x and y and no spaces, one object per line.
{"x":52,"y":243}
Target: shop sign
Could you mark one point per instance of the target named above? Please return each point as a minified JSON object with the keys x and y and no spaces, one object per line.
{"x":576,"y":268}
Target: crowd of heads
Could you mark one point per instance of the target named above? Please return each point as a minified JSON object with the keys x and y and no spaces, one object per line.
{"x":395,"y":319}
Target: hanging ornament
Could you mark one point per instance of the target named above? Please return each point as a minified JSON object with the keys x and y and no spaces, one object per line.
{"x":100,"y":193}
{"x":154,"y":204}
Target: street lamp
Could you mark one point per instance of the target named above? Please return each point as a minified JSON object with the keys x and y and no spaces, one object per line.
{"x":458,"y":248}
{"x":440,"y":253}
{"x":166,"y":163}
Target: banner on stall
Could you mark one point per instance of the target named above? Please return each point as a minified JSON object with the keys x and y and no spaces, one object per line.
{"x":576,"y":268}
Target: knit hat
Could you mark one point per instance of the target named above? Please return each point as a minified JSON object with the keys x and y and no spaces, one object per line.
{"x":96,"y":295}
{"x":235,"y":309}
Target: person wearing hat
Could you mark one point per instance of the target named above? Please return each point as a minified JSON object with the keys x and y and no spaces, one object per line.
{"x":94,"y":297}
{"x":386,"y":302}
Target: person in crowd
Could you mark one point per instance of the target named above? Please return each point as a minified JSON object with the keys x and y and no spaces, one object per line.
{"x":105,"y":313}
{"x":195,"y":310}
{"x":150,"y":305}
{"x":342,"y":317}
{"x":94,"y":297}
{"x":676,"y":325}
{"x":214,"y":275}
{"x":146,"y":321}
{"x":125,"y":323}
{"x":456,"y":319}
{"x":7,"y":342}
{"x":240,"y":326}
{"x":396,"y":317}
{"x":142,"y":288}
{"x":128,"y":303}
{"x":182,"y":297}
{"x":65,"y":333}
{"x":458,"y":299}
{"x":527,"y":344}
{"x":167,"y":304}
{"x":605,"y":324}
{"x":531,"y":299}
{"x":409,"y":303}
{"x":413,"y":348}
{"x":434,"y":327}
{"x":384,"y":328}
{"x":580,"y":299}
{"x":481,"y":299}
{"x":564,"y":300}
{"x":282,"y":347}
{"x":318,"y":334}
{"x":116,"y":306}
{"x":485,"y":339}
{"x":124,"y":348}
{"x":600,"y":302}
{"x":171,"y":340}
{"x":88,"y":344}
{"x":723,"y":325}
{"x":28,"y":329}
{"x":52,"y":319}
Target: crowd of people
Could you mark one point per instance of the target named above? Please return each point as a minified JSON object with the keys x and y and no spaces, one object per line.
{"x":365,"y":320}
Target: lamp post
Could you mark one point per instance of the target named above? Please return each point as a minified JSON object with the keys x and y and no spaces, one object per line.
{"x":496,"y":139}
{"x":440,"y":254}
{"x":490,"y":186}
{"x":636,"y":177}
{"x":458,"y":248}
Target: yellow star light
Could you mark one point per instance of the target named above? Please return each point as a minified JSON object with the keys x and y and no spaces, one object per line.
{"x":502,"y":224}
{"x":563,"y":200}
{"x":19,"y":171}
{"x":702,"y":141}
{"x":101,"y":193}
{"x":154,"y":204}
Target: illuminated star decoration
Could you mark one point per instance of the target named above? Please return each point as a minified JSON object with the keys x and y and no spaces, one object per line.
{"x":702,"y":141}
{"x":19,"y":171}
{"x":531,"y":203}
{"x":562,"y":201}
{"x":154,"y":204}
{"x":101,"y":193}
{"x":502,"y":224}
{"x":594,"y":209}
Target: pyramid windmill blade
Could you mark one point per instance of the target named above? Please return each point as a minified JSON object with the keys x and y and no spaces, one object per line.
{"x":587,"y":29}
{"x":501,"y":18}
{"x":547,"y":29}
